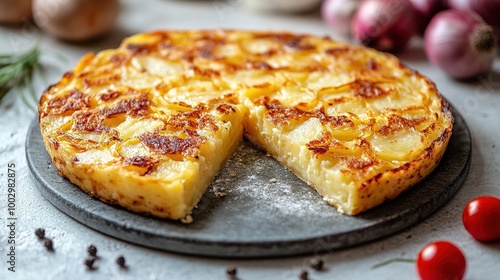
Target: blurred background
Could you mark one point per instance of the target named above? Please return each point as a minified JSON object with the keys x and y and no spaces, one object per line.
{"x":457,"y":36}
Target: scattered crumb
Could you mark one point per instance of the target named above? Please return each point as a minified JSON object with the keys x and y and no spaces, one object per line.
{"x":220,"y":193}
{"x":218,"y":181}
{"x":187,"y":220}
{"x":273,"y":180}
{"x":232,"y":174}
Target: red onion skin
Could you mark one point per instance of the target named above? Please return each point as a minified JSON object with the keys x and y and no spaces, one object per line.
{"x":489,"y":10}
{"x":338,"y":14}
{"x":424,"y":11}
{"x":386,"y":25}
{"x":448,"y":44}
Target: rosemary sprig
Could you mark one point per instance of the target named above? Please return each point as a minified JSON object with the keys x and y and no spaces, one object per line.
{"x":16,"y":72}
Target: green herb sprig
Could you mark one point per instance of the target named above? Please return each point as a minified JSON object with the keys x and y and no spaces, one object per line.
{"x":17,"y":71}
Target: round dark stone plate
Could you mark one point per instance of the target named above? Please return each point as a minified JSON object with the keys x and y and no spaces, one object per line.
{"x":256,"y":208}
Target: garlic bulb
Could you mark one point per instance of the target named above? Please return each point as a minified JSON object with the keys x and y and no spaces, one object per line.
{"x":15,"y":11}
{"x":76,"y":20}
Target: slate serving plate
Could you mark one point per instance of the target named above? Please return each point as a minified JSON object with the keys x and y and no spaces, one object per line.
{"x":256,"y":208}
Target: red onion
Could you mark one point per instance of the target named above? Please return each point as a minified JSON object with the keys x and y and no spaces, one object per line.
{"x":338,"y":14}
{"x":460,"y":43}
{"x":424,"y":11}
{"x":386,"y":25}
{"x":489,"y":10}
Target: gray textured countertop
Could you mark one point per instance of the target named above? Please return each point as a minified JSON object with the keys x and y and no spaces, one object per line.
{"x":478,"y":102}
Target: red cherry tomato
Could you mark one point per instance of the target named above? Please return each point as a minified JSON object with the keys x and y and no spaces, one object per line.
{"x":481,"y":218}
{"x":441,"y":260}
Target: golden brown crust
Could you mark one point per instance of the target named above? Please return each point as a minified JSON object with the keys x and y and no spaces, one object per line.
{"x":171,"y":145}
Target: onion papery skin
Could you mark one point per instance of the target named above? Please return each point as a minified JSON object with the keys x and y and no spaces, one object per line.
{"x":489,"y":10}
{"x":386,"y":25}
{"x":451,"y":43}
{"x":424,"y":11}
{"x":339,"y":14}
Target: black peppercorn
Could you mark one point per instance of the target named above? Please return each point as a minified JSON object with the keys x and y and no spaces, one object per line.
{"x":121,"y":261}
{"x":232,"y":271}
{"x":92,"y":250}
{"x":89,"y":263}
{"x":40,"y":232}
{"x":48,"y":244}
{"x":316,"y":263}
{"x":304,"y":275}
